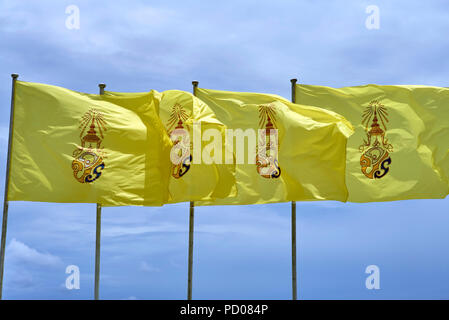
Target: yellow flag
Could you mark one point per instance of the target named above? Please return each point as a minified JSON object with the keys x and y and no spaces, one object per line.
{"x":304,"y":158}
{"x":188,"y":120}
{"x":400,"y":146}
{"x":73,"y":147}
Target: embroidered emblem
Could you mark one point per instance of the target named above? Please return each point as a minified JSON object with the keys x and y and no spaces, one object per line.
{"x":267,"y":164}
{"x":88,"y":164}
{"x":375,"y":160}
{"x":181,"y":140}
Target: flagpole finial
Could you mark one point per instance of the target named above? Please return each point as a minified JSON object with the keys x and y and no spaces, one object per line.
{"x":195,"y":86}
{"x":293,"y":81}
{"x":14,"y":75}
{"x":102,"y":86}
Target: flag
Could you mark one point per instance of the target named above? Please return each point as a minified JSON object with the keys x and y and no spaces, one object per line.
{"x":73,"y":147}
{"x":283,"y":151}
{"x":188,"y":120}
{"x":400,"y":146}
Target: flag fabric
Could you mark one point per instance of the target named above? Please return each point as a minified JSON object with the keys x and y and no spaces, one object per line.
{"x":303,"y":160}
{"x":187,"y":120}
{"x":73,"y":147}
{"x":400,"y":148}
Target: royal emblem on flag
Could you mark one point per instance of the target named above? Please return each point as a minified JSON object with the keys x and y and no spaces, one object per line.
{"x":375,"y":160}
{"x":88,"y":164}
{"x":267,"y":164}
{"x":181,"y":140}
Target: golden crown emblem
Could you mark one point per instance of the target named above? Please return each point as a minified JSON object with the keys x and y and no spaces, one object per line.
{"x":175,"y":125}
{"x":88,"y":163}
{"x":267,"y":164}
{"x":375,"y":159}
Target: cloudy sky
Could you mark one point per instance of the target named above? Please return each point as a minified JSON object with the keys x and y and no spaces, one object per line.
{"x":240,"y":252}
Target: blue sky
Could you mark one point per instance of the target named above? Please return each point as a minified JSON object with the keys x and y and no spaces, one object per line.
{"x":240,"y":252}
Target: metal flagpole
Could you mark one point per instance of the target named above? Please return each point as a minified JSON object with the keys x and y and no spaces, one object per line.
{"x":294,"y":282}
{"x":5,"y":200}
{"x":98,"y":235}
{"x":191,"y":224}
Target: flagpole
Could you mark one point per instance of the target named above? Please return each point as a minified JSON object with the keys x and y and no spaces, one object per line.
{"x":294,"y":281}
{"x":190,"y":270}
{"x":98,"y":236}
{"x":191,"y":224}
{"x":5,"y":199}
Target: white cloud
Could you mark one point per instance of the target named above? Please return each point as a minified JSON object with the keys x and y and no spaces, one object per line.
{"x":146,"y":16}
{"x":19,"y":253}
{"x":118,"y":231}
{"x":144,"y":266}
{"x":245,"y":221}
{"x":20,"y":278}
{"x":4,"y":133}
